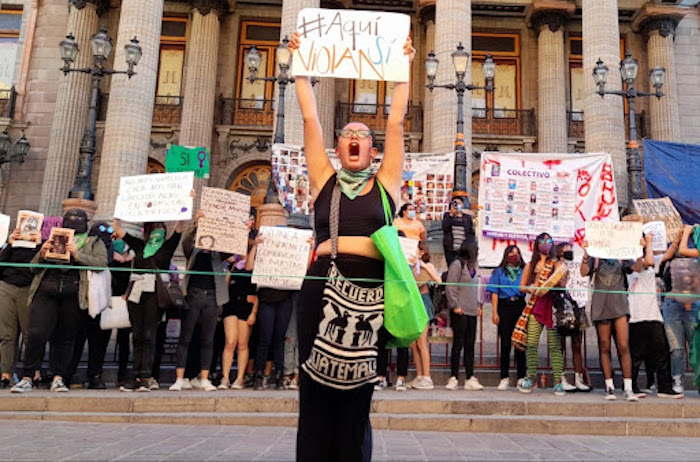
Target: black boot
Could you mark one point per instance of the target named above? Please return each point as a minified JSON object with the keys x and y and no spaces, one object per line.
{"x":95,"y":382}
{"x":259,"y":381}
{"x":279,"y":380}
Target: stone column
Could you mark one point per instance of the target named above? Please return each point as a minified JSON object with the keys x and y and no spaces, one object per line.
{"x":552,"y":133}
{"x":453,"y":24}
{"x":428,"y":19}
{"x":604,"y":117}
{"x":665,"y":118}
{"x":127,"y":135}
{"x":197,"y":123}
{"x":70,"y":115}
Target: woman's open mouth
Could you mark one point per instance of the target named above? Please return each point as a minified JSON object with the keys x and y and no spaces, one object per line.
{"x":354,"y":151}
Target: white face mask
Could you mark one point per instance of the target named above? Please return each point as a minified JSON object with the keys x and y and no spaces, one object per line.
{"x":412,"y":214}
{"x":459,"y":208}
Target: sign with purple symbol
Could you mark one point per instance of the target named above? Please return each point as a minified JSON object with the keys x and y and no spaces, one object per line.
{"x":187,"y":159}
{"x":155,"y":197}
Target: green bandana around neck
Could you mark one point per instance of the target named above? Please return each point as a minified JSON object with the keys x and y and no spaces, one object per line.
{"x":351,"y":183}
{"x":118,"y":246}
{"x":696,"y":238}
{"x":154,"y":242}
{"x":80,"y":240}
{"x":513,"y":272}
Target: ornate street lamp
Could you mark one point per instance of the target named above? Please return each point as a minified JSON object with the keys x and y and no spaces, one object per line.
{"x":10,"y":151}
{"x":629,"y":69}
{"x":101,"y":50}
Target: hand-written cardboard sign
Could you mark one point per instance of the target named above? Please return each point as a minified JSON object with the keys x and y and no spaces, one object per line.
{"x":156,"y":197}
{"x":282,"y":257}
{"x":28,"y":223}
{"x":658,"y":231}
{"x":660,"y":210}
{"x":4,"y":227}
{"x":222,"y":228}
{"x":614,"y":240}
{"x":577,"y":285}
{"x":221,"y":203}
{"x":410,"y":248}
{"x":187,"y":159}
{"x":365,"y":45}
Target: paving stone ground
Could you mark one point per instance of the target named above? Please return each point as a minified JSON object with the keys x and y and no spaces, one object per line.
{"x":57,"y":441}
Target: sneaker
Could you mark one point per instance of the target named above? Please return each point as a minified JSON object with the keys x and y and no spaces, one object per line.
{"x":293,"y":383}
{"x":224,"y":384}
{"x":186,"y":384}
{"x":23,"y":386}
{"x":610,"y":394}
{"x":559,"y":389}
{"x":58,"y":386}
{"x":678,"y":384}
{"x":400,"y":385}
{"x":424,"y":383}
{"x":669,"y":394}
{"x":631,"y":396}
{"x":4,"y":383}
{"x":239,"y":384}
{"x":526,"y":385}
{"x":580,"y":384}
{"x":152,"y":384}
{"x":452,"y":383}
{"x":259,"y":383}
{"x":379,"y":386}
{"x":473,"y":384}
{"x":249,"y":380}
{"x":195,"y":383}
{"x":266,"y":382}
{"x":178,"y":385}
{"x":286,"y":380}
{"x":640,"y":394}
{"x":142,"y":386}
{"x":96,"y":383}
{"x":206,"y":385}
{"x":566,"y":386}
{"x":503,"y":384}
{"x":129,"y":385}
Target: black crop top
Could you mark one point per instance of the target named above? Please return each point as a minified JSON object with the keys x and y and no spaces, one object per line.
{"x":359,"y":217}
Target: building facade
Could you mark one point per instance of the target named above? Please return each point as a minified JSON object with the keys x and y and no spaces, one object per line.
{"x":192,"y":85}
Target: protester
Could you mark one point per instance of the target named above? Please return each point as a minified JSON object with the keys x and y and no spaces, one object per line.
{"x":408,"y":223}
{"x":541,"y":316}
{"x":508,"y":302}
{"x":564,"y":253}
{"x":121,"y":259}
{"x":334,"y":408}
{"x":152,"y":253}
{"x":456,"y":226}
{"x":610,"y":312}
{"x":56,"y":298}
{"x":690,"y":233}
{"x":424,"y":272}
{"x":463,"y":304}
{"x":14,"y":311}
{"x":647,"y":337}
{"x":291,"y":347}
{"x":204,"y":294}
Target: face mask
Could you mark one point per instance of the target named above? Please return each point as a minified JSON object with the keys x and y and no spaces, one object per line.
{"x":76,"y":220}
{"x":459,"y":208}
{"x":513,"y":259}
{"x":545,"y":247}
{"x":412,"y":214}
{"x":568,"y":255}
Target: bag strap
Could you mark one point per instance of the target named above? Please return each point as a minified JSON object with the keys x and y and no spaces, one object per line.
{"x":335,"y":220}
{"x":385,"y":204}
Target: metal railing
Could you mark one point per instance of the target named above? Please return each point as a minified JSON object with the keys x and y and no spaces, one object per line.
{"x":375,"y":116}
{"x":7,"y":102}
{"x":246,"y":111}
{"x":517,"y":122}
{"x":576,"y":126}
{"x":166,"y":109}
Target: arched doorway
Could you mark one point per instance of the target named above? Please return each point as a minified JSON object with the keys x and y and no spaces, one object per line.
{"x":154,"y":166}
{"x":252,"y":180}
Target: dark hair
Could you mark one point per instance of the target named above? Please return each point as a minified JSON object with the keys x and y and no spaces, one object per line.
{"x":559,"y":248}
{"x":507,"y":252}
{"x":468,"y":252}
{"x":423,"y":247}
{"x":536,"y":255}
{"x":404,"y":207}
{"x":150,"y":226}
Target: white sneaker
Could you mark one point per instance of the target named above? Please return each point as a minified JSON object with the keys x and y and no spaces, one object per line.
{"x":400,"y":385}
{"x":503,"y":384}
{"x":452,"y":383}
{"x":473,"y":384}
{"x":631,"y":396}
{"x":678,"y":384}
{"x":567,"y":386}
{"x":610,"y":394}
{"x":23,"y":386}
{"x":206,"y":385}
{"x":58,"y":386}
{"x":196,"y":384}
{"x":425,"y":383}
{"x":178,"y":385}
{"x":382,"y":384}
{"x":224,"y":385}
{"x":580,"y":384}
{"x":238,"y":385}
{"x":186,"y":385}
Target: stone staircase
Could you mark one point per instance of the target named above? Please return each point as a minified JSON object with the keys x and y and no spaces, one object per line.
{"x":437,"y":410}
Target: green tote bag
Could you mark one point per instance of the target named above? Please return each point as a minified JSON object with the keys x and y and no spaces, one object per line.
{"x":404,"y":313}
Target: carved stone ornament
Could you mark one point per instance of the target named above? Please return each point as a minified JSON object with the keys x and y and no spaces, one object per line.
{"x":220,"y":7}
{"x":102,"y":5}
{"x":427,"y":14}
{"x":665,"y":24}
{"x":554,"y":19}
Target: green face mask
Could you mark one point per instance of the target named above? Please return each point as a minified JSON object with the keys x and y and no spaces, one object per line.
{"x":155,"y":241}
{"x":80,"y":240}
{"x":351,"y":183}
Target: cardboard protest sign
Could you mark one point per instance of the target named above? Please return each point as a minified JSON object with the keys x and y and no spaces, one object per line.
{"x":350,"y":44}
{"x":658,"y":231}
{"x":576,"y":285}
{"x":410,"y":248}
{"x":4,"y":227}
{"x":223,"y":226}
{"x":661,"y":210}
{"x":281,"y":258}
{"x":614,"y":240}
{"x":28,"y":223}
{"x":187,"y":159}
{"x":155,"y":197}
{"x":60,"y":238}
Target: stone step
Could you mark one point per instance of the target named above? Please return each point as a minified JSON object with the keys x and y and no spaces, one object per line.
{"x":532,"y":424}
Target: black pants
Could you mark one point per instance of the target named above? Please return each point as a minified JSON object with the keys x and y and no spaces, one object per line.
{"x":124,"y":348}
{"x":97,"y":340}
{"x":145,"y":317}
{"x":450,"y":256}
{"x":55,"y":315}
{"x":161,"y":334}
{"x":202,"y":308}
{"x":464,"y":329}
{"x":334,"y":424}
{"x":509,"y":311}
{"x":383,"y":357}
{"x":274,"y":320}
{"x":648,"y":344}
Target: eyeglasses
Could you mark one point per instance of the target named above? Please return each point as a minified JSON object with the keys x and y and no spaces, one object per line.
{"x":361,"y":134}
{"x":104,"y":228}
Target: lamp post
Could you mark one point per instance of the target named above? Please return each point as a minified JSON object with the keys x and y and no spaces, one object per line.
{"x":460,"y":60}
{"x":628,"y":72}
{"x":284,"y":60}
{"x":101,"y":49}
